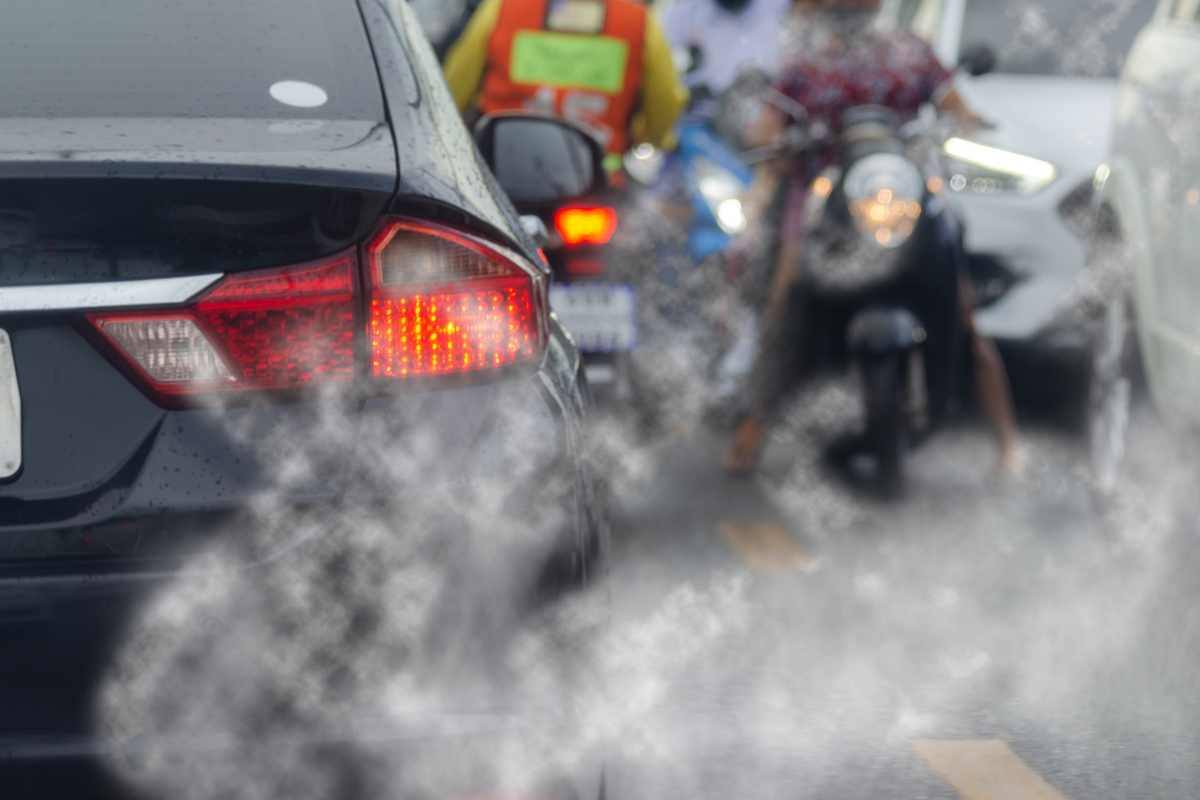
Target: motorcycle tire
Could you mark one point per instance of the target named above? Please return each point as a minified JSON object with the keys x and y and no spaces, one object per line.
{"x":885,"y":392}
{"x":1113,"y":381}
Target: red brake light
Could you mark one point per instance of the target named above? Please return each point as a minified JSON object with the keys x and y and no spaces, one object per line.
{"x":286,"y":328}
{"x":439,"y":303}
{"x":444,"y":303}
{"x":276,"y":329}
{"x":591,"y":225}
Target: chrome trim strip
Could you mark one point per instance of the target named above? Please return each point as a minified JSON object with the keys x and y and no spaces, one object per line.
{"x":10,"y":411}
{"x":112,"y":294}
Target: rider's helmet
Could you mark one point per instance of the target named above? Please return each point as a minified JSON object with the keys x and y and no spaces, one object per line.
{"x":734,"y":5}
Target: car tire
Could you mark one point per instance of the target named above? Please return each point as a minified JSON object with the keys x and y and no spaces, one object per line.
{"x":1110,"y":396}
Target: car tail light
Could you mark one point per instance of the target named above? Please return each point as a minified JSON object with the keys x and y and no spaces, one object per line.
{"x":269,"y":330}
{"x":438,"y":302}
{"x":578,"y":225}
{"x":445,"y":303}
{"x":169,"y":351}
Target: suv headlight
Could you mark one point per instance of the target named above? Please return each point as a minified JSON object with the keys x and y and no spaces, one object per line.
{"x":983,"y":169}
{"x":722,"y":192}
{"x":884,"y":193}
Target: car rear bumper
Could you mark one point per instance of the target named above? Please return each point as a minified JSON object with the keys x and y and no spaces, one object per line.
{"x":485,"y":483}
{"x":201,"y":471}
{"x":84,"y":768}
{"x":63,"y":634}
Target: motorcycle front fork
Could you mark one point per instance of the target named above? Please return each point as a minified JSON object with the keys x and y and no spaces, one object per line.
{"x":918,"y":391}
{"x":879,"y":398}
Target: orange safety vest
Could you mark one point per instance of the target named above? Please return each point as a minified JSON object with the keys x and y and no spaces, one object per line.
{"x":593,"y":79}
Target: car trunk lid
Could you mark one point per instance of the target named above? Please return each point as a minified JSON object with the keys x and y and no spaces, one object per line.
{"x":149,"y":215}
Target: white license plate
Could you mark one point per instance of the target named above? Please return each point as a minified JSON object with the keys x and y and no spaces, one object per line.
{"x":10,"y":410}
{"x":601,"y":316}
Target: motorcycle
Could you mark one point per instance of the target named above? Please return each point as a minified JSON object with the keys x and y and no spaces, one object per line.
{"x":709,"y":174}
{"x":878,"y":291}
{"x":634,"y":269}
{"x":595,"y":305}
{"x":617,"y":275}
{"x":593,"y":293}
{"x":695,"y":296}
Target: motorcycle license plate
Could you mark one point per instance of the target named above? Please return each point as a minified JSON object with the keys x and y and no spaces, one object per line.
{"x":602,"y":317}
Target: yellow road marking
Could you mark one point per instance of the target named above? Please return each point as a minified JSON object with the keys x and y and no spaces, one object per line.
{"x":984,"y":770}
{"x":766,"y":546}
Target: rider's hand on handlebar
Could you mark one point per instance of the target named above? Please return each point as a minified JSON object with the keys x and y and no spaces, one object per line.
{"x":953,"y":104}
{"x":767,"y":126}
{"x":969,"y":122}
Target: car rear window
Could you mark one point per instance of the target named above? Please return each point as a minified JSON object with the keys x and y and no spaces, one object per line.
{"x":187,"y":58}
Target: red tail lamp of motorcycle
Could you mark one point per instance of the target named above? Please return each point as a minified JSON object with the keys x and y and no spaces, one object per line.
{"x":586,"y":225}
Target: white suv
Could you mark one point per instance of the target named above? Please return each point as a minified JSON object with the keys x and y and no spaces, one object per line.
{"x":1023,"y":185}
{"x":1153,"y":188}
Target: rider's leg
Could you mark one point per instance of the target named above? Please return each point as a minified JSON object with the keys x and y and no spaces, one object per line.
{"x":774,"y":366}
{"x":780,"y":347}
{"x":992,"y":386}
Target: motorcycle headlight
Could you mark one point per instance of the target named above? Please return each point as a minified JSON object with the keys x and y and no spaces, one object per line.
{"x":983,"y":169}
{"x":722,"y":192}
{"x":884,"y":193}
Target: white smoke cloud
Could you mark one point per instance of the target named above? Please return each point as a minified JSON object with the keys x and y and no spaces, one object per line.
{"x":373,"y":657}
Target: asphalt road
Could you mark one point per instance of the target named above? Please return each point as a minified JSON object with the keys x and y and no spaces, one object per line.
{"x":784,"y":638}
{"x":979,"y":638}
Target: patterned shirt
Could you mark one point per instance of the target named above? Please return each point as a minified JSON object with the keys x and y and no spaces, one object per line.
{"x":728,"y":41}
{"x":828,"y":73}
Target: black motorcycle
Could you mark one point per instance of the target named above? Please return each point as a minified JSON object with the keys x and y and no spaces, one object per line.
{"x":593,"y":292}
{"x":879,"y":288}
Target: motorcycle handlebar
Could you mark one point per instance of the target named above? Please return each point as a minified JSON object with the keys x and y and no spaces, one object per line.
{"x":795,"y":140}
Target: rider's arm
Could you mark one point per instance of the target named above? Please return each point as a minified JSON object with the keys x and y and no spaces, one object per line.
{"x":467,"y":59}
{"x":663,"y":95}
{"x":942,"y":91}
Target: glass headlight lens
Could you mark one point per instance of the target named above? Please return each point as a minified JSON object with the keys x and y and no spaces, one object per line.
{"x":983,"y":169}
{"x":722,"y":192}
{"x":884,"y":192}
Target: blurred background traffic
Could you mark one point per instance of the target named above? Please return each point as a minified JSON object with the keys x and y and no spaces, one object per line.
{"x":905,"y":303}
{"x":1014,"y":116}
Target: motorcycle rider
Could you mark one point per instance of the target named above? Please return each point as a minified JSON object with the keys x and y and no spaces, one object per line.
{"x":444,"y":20}
{"x":603,"y":64}
{"x":842,"y":60}
{"x":725,"y":37}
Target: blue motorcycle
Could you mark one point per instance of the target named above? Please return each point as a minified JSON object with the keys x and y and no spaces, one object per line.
{"x":712,"y":177}
{"x":693,"y":296}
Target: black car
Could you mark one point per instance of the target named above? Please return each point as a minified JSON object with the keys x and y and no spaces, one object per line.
{"x":260,"y":293}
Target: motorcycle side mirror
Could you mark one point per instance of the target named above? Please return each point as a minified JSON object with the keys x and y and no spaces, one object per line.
{"x":541,"y":160}
{"x":977,"y":60}
{"x":535,"y":229}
